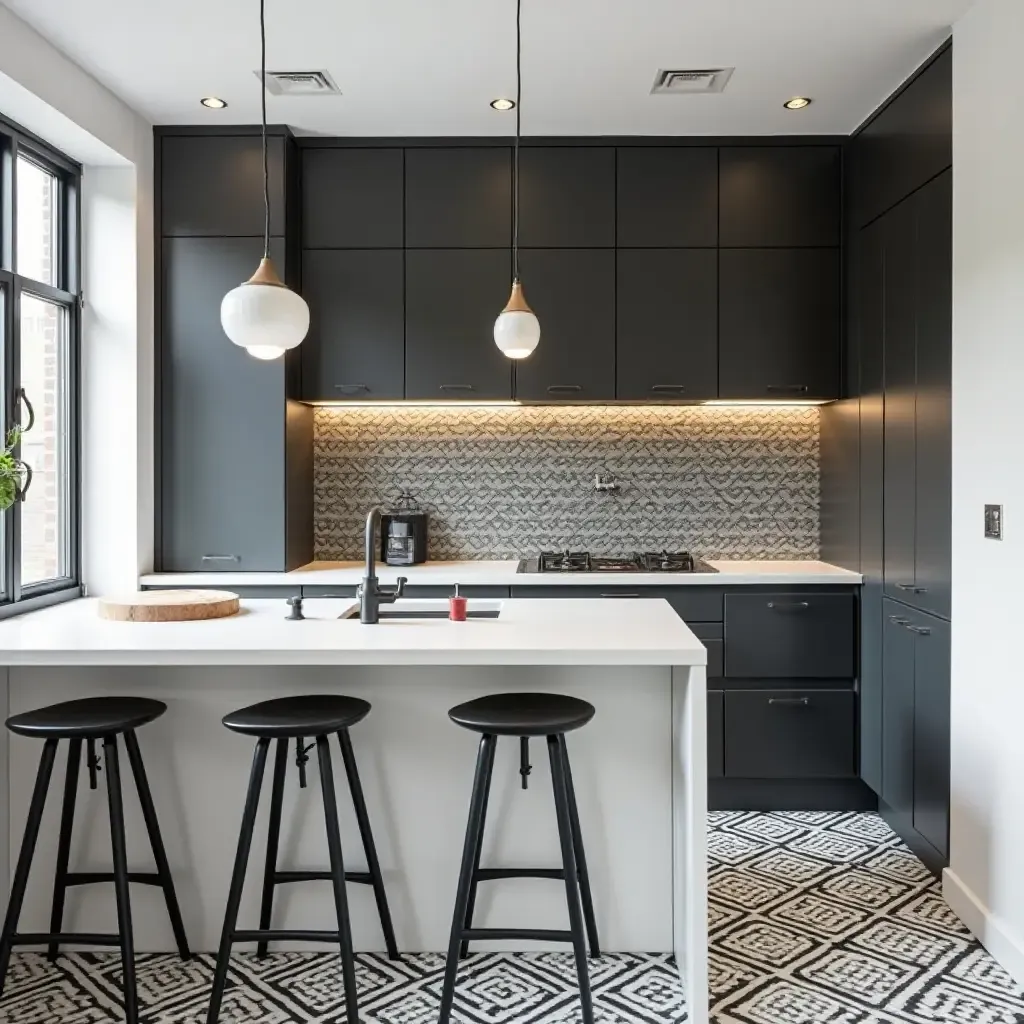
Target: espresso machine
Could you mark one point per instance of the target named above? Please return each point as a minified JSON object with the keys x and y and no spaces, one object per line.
{"x":403,"y":533}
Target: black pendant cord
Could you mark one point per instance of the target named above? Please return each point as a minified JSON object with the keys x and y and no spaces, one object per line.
{"x":263,"y":122}
{"x":519,"y":98}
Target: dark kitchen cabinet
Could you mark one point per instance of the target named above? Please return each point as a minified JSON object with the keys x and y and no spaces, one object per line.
{"x":667,"y":325}
{"x":779,"y":196}
{"x":222,"y":438}
{"x":452,"y":298}
{"x":356,"y":344}
{"x":212,"y":185}
{"x":567,"y":197}
{"x":572,"y":291}
{"x":716,"y":734}
{"x":352,"y":198}
{"x":458,"y":197}
{"x":779,"y":323}
{"x":667,"y":196}
{"x":898,"y":710}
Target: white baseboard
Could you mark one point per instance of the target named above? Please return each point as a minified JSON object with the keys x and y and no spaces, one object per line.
{"x":1001,"y":940}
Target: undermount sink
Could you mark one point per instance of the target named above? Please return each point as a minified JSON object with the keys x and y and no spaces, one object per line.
{"x":411,"y":608}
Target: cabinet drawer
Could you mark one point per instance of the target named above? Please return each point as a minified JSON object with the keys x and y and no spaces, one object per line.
{"x":789,"y":636}
{"x":710,"y":635}
{"x":699,"y":603}
{"x":789,"y":734}
{"x":716,"y":734}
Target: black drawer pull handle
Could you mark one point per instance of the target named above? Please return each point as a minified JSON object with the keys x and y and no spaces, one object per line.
{"x":564,"y":387}
{"x":905,"y":586}
{"x":789,"y":389}
{"x":674,"y":388}
{"x":457,"y":387}
{"x":793,"y":702}
{"x":613,"y":594}
{"x":782,"y":606}
{"x":898,"y":621}
{"x":221,"y":558}
{"x":920,"y":630}
{"x":351,"y":387}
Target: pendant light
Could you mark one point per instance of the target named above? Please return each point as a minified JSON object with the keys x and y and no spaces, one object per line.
{"x":263,"y":315}
{"x":517,"y":329}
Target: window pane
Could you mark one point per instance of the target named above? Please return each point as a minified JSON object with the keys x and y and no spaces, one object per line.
{"x":5,"y":594}
{"x":44,"y":513}
{"x":35,"y":223}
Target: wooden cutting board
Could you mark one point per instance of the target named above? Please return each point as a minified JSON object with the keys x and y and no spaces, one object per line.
{"x":169,"y":606}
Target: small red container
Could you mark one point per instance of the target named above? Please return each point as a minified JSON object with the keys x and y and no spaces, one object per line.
{"x":457,"y":607}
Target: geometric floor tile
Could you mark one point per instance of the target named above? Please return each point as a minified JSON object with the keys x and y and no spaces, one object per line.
{"x":815,"y":918}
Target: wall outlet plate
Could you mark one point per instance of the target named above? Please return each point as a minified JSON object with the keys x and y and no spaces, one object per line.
{"x":994,"y":522}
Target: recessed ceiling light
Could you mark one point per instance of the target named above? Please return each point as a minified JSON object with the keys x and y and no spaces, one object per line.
{"x":503,"y":104}
{"x":797,"y":103}
{"x":213,"y":102}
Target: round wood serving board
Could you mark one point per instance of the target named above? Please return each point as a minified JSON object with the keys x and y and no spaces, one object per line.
{"x":169,"y":606}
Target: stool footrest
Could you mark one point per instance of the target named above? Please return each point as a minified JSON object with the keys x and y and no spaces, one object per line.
{"x":85,"y":938}
{"x":90,"y":877}
{"x":490,"y":874}
{"x":284,"y":935}
{"x":321,"y":876}
{"x":551,"y":934}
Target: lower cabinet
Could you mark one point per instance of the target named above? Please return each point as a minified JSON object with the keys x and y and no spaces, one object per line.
{"x":915,"y":723}
{"x":716,"y":734}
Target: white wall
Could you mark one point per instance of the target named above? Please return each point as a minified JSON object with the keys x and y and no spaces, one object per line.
{"x":985,"y":881}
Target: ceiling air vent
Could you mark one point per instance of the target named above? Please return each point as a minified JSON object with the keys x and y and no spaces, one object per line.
{"x":300,"y":83}
{"x":701,"y":81}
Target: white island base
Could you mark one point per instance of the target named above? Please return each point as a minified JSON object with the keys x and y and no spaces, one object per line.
{"x":638,"y":768}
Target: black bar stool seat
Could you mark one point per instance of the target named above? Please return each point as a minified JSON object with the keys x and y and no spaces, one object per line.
{"x":287,"y":719}
{"x":523,"y":714}
{"x":291,"y":717}
{"x":86,"y":722}
{"x":89,"y":716}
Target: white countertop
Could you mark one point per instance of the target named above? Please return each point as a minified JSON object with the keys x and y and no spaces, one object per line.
{"x":528,"y":632}
{"x":504,"y":574}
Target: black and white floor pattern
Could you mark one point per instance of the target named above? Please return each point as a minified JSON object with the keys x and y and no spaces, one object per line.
{"x":815,"y":919}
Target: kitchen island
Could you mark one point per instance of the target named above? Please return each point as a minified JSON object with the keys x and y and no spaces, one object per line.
{"x":639,"y":766}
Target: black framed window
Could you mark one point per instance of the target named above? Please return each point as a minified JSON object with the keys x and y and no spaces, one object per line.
{"x":40,"y":318}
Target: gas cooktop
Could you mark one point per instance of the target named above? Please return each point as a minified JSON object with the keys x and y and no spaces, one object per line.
{"x":583,"y":561}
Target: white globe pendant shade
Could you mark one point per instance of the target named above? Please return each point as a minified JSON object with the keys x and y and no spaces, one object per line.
{"x":264,"y":316}
{"x":517,"y":329}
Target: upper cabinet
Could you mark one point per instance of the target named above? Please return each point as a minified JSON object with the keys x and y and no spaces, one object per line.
{"x":352,"y":198}
{"x":212,"y":185}
{"x":567,"y":197}
{"x":780,"y":196}
{"x":667,"y":196}
{"x":779,"y":323}
{"x":458,"y":197}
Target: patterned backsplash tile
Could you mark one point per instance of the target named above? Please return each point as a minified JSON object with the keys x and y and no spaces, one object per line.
{"x":504,"y":482}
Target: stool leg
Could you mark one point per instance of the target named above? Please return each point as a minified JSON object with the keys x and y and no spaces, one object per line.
{"x":471,"y":905}
{"x":273,"y":840}
{"x":124,"y":909}
{"x":581,"y":859}
{"x":163,"y":869}
{"x":474,"y":829}
{"x":348,"y":963}
{"x":252,"y":800}
{"x":372,"y":863}
{"x":28,"y":848}
{"x":67,"y":818}
{"x":572,"y":889}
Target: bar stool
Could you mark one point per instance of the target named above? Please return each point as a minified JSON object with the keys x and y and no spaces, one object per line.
{"x":285,"y":719}
{"x":524,"y":715}
{"x":90,"y":720}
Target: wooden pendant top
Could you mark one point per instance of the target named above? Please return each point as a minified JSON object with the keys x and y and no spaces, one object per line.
{"x":169,"y":606}
{"x":266,"y":273}
{"x":517,"y":300}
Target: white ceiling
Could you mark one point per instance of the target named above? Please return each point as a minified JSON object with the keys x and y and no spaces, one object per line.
{"x":430,"y":67}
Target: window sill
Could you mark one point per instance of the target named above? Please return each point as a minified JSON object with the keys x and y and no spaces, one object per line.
{"x":31,"y":604}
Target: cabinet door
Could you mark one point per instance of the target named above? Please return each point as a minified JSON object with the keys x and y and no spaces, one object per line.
{"x":667,"y":324}
{"x":899,"y":485}
{"x":458,"y":197}
{"x":356,"y":343}
{"x":716,"y":734}
{"x":898,"y":711}
{"x":452,"y":297}
{"x":567,"y":197}
{"x":932,"y":410}
{"x":352,"y":198}
{"x":667,"y":196}
{"x":931,"y":731}
{"x":222,"y":419}
{"x":778,"y":323}
{"x":780,"y":195}
{"x":212,"y":185}
{"x":572,"y":291}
